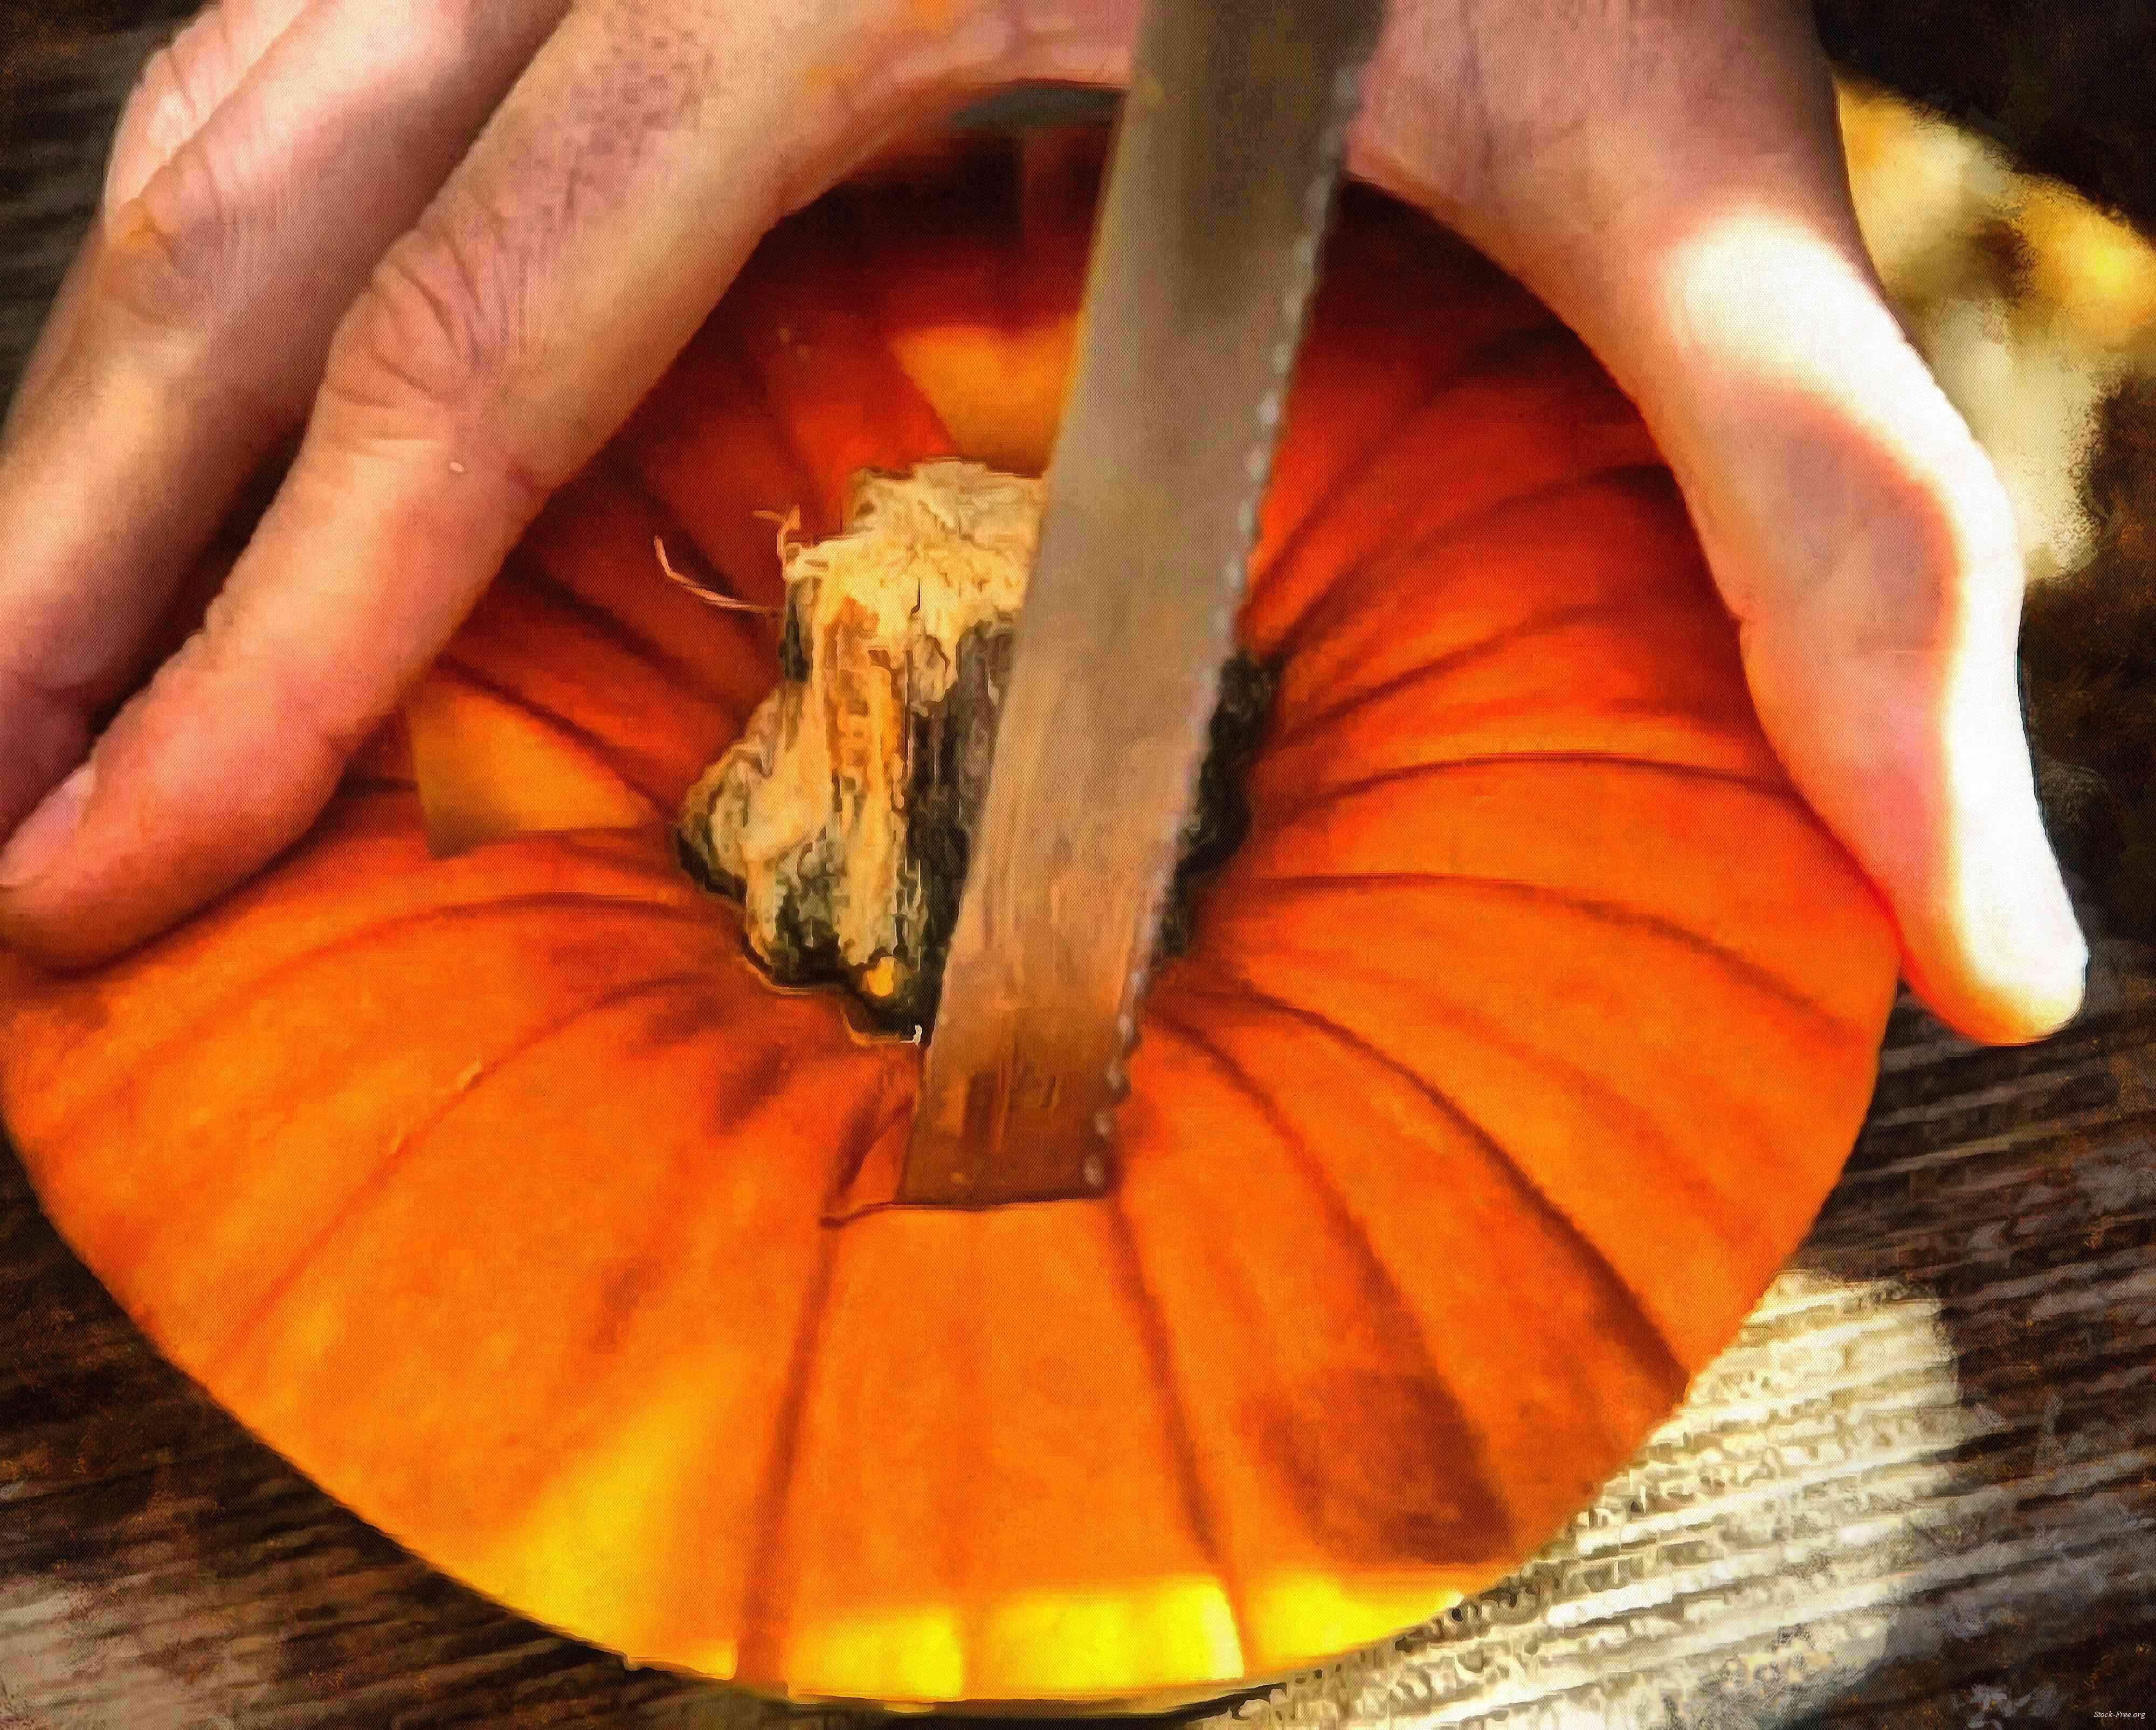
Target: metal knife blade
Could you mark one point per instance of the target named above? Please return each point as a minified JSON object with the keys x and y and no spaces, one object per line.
{"x":1202,"y":269}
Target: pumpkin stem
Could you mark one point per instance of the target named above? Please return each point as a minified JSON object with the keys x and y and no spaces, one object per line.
{"x":842,"y":818}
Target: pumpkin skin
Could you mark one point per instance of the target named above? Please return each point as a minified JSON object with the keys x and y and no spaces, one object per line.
{"x":1516,"y":1049}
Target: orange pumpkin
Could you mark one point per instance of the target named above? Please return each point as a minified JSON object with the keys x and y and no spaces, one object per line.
{"x":1516,"y":1048}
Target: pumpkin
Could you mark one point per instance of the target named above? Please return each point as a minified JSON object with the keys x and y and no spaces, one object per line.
{"x":467,"y":1157}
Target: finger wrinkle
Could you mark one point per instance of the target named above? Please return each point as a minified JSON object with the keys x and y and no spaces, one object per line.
{"x":492,"y":285}
{"x":31,"y":704}
{"x":409,"y":385}
{"x":455,"y":307}
{"x":1100,"y":32}
{"x":184,"y":83}
{"x":28,"y":687}
{"x":266,"y":717}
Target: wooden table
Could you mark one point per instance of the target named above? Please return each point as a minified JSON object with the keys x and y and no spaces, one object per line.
{"x":1920,"y":1491}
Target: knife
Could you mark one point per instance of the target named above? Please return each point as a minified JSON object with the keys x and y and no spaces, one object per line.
{"x":1201,"y":273}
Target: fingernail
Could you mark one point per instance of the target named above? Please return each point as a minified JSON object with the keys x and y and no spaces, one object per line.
{"x":45,"y":833}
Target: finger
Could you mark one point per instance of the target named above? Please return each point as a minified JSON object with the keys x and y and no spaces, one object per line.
{"x":1692,"y":218}
{"x":568,"y":259}
{"x":1871,"y":558}
{"x":195,"y":323}
{"x":180,"y":86}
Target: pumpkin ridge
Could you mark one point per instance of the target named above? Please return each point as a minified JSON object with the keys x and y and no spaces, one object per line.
{"x":1649,"y":1346}
{"x":1313,"y":884}
{"x":620,"y":464}
{"x":1387,"y":1305}
{"x":573,"y":735}
{"x":852,"y":1156}
{"x":361,"y":936}
{"x":1198,"y":1509}
{"x":402,"y":1150}
{"x":530,"y":571}
{"x":601,"y":843}
{"x":744,"y":1089}
{"x":1341,"y":596}
{"x":764,"y":394}
{"x":1778,"y":791}
{"x":760,"y":1653}
{"x":1540,"y":329}
{"x":1735,"y":1221}
{"x":1467,"y":654}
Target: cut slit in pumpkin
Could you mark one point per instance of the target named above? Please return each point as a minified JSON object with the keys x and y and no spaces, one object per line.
{"x":491,"y":1187}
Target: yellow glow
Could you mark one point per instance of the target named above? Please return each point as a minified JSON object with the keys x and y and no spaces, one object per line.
{"x":917,"y":1655}
{"x":584,"y":1554}
{"x":1297,"y":1618}
{"x":717,"y":1660}
{"x":1046,"y":1644}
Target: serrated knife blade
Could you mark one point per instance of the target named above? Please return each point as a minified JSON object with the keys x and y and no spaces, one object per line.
{"x":1203,"y":265}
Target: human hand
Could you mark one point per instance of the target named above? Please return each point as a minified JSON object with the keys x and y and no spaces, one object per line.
{"x":457,"y":247}
{"x":1669,"y":178}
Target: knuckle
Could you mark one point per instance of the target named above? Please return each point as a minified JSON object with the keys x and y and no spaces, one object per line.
{"x":170,"y":256}
{"x":172,"y":226}
{"x":425,"y":337}
{"x":424,"y":361}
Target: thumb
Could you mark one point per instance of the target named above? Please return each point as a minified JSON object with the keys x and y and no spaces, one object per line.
{"x":1697,"y":231}
{"x":1869,"y":553}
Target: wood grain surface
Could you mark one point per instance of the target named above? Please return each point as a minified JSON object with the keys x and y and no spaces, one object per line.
{"x":1920,"y":1491}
